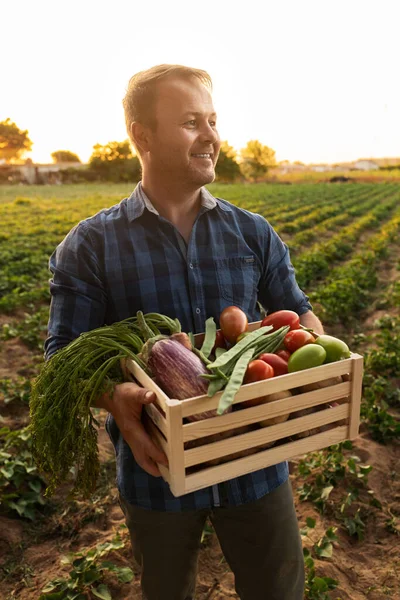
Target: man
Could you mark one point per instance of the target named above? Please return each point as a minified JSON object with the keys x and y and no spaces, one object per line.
{"x":173,"y":248}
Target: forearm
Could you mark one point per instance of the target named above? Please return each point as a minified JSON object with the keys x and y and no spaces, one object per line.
{"x":309,"y":319}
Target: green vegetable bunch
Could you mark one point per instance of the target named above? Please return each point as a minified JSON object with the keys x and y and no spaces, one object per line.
{"x":62,"y":425}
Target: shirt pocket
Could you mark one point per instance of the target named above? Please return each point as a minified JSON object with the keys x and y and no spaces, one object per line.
{"x":237,"y":278}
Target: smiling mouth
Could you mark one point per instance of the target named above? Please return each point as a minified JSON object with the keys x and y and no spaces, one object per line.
{"x":203,"y":155}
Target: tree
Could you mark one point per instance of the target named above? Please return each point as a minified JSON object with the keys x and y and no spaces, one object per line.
{"x":256,"y":159}
{"x":112,"y":151}
{"x":227,"y":169}
{"x":115,"y":162}
{"x":13,"y":141}
{"x":64,"y":156}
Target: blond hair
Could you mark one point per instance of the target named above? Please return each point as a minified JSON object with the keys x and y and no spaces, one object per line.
{"x":140,"y":95}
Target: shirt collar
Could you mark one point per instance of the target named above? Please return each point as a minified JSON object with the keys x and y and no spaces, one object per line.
{"x":138,"y":201}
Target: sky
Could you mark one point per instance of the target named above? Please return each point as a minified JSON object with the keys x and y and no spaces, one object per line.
{"x":315,"y":80}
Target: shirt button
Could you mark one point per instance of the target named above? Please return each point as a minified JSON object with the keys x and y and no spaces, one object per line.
{"x":198,"y":311}
{"x":191,"y":266}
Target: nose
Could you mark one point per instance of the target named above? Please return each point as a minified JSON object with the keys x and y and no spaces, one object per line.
{"x":209,"y":134}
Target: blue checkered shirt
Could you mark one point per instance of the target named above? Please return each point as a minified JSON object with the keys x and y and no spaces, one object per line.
{"x":128,"y":258}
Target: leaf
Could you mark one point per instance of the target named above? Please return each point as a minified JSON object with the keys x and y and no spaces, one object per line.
{"x":125,"y":574}
{"x":102,"y":592}
{"x":331,"y":533}
{"x":319,"y":584}
{"x":310,"y":522}
{"x":49,"y":587}
{"x":76,"y":596}
{"x":107,"y":564}
{"x":326,"y":492}
{"x":36,"y":486}
{"x":91,"y":575}
{"x":55,"y":596}
{"x":326,"y":551}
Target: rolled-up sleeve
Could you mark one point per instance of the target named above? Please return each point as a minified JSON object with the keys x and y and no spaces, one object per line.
{"x":78,"y":300}
{"x":278,"y":287}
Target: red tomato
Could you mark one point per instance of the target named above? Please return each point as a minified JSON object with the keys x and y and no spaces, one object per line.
{"x":294,"y":340}
{"x":279,"y":365}
{"x":233,"y":321}
{"x":257,"y":370}
{"x":281,"y":318}
{"x":220,"y":341}
{"x":285,"y":354}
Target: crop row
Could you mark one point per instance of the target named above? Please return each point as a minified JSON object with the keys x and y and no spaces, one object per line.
{"x":321,"y":213}
{"x":348,"y":288}
{"x":316,"y":263}
{"x":345,"y":217}
{"x":303,"y":204}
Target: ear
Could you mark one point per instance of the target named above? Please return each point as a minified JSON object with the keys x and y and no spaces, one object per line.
{"x":142,"y":135}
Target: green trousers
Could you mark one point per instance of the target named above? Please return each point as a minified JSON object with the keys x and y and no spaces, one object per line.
{"x":260,"y":541}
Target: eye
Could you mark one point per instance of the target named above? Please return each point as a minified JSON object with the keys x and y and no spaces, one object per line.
{"x":213,"y":123}
{"x":192,"y":122}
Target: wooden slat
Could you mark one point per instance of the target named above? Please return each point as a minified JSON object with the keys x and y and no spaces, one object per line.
{"x":175,"y":444}
{"x":157,"y":418}
{"x":199,"y":404}
{"x":247,"y":416}
{"x":160,"y":440}
{"x":356,"y":391}
{"x":156,"y":434}
{"x":264,"y":435}
{"x":147,"y":382}
{"x":263,"y":459}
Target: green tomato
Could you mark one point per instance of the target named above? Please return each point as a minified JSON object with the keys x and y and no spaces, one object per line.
{"x":335,"y":349}
{"x":306,"y":357}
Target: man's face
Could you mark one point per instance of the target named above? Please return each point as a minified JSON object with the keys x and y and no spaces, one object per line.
{"x":185,"y":145}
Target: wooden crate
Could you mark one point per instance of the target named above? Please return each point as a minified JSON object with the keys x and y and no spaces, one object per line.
{"x":192,"y":453}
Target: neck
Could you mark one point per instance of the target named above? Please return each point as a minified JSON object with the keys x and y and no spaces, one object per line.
{"x":177,"y":205}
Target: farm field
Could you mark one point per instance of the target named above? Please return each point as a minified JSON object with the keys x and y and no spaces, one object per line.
{"x":345,"y":246}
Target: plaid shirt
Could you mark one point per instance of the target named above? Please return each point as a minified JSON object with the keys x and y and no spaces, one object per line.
{"x":128,"y":258}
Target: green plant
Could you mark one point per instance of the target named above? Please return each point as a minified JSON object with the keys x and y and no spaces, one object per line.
{"x":21,"y":486}
{"x":12,"y":390}
{"x":325,"y":469}
{"x":355,"y":525}
{"x":208,"y":530}
{"x":316,"y":587}
{"x":86,"y":577}
{"x":392,"y":524}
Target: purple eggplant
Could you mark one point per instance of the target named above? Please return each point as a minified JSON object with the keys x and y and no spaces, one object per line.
{"x":177,"y":371}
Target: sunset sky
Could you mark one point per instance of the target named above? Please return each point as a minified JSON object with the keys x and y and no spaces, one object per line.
{"x":317,"y":81}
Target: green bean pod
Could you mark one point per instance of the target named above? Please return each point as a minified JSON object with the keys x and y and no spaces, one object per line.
{"x":209,"y":338}
{"x":235,"y":381}
{"x":240,"y":347}
{"x":215,"y":386}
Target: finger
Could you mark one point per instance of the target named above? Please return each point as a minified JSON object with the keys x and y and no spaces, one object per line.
{"x":143,"y":447}
{"x":143,"y":395}
{"x":130,"y":390}
{"x":148,"y":465}
{"x":154,"y":452}
{"x":151,"y":467}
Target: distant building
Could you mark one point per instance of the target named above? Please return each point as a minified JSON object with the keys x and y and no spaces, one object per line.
{"x":321,"y":168}
{"x":365,"y":165}
{"x":32,"y":173}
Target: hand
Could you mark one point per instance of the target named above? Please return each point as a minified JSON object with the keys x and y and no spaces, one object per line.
{"x":126,"y":408}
